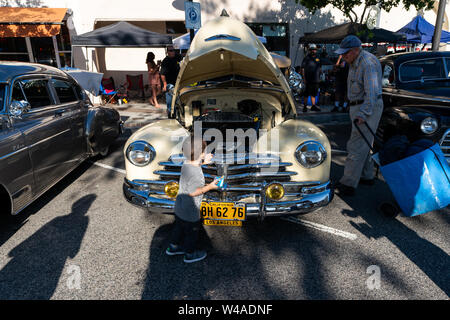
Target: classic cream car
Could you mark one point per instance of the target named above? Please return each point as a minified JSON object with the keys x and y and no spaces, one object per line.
{"x":229,"y":84}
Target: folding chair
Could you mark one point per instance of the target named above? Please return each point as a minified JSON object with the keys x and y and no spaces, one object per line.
{"x":108,"y":90}
{"x":135,"y":83}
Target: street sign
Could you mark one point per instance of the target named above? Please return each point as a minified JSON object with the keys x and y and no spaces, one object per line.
{"x":192,"y":14}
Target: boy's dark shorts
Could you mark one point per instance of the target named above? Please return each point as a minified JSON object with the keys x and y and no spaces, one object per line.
{"x":312,"y":89}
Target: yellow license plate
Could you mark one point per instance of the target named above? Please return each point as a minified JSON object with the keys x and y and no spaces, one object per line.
{"x":222,"y":213}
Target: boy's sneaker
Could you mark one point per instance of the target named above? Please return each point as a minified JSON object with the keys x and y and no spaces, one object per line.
{"x":194,"y":256}
{"x":315,"y":108}
{"x":174,"y":250}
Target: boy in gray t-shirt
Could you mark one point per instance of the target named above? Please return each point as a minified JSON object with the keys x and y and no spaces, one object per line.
{"x":187,"y":204}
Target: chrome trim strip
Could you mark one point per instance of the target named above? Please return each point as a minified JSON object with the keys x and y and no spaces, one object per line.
{"x":13,"y":153}
{"x":48,"y":138}
{"x":444,"y":137}
{"x":260,"y":175}
{"x":231,"y":167}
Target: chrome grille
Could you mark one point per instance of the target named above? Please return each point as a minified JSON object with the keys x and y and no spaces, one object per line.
{"x":445,"y":145}
{"x":237,"y":169}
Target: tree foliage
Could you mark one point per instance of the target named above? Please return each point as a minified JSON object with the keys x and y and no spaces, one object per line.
{"x":348,"y":6}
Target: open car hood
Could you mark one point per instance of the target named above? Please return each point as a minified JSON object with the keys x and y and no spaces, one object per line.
{"x":225,"y":46}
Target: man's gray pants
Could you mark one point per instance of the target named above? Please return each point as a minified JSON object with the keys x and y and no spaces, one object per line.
{"x":359,"y":163}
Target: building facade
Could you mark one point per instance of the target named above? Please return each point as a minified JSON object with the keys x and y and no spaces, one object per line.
{"x":282,"y":22}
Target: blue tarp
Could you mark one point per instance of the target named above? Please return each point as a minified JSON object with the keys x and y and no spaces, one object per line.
{"x":420,"y":30}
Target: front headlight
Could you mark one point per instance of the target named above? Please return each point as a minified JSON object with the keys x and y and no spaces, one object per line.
{"x":140,"y":153}
{"x":429,"y":125}
{"x":310,"y":154}
{"x":295,"y":81}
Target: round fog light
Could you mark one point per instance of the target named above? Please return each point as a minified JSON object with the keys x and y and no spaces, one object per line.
{"x":275,"y":191}
{"x":171,"y":189}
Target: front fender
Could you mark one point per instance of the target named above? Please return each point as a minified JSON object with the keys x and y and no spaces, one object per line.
{"x":286,"y":137}
{"x":102,"y":128}
{"x":166,"y":137}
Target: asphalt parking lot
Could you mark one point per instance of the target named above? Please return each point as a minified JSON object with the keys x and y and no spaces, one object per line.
{"x":82,"y":240}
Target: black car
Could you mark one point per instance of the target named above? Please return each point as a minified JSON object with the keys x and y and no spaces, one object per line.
{"x":48,"y":126}
{"x":416,"y":96}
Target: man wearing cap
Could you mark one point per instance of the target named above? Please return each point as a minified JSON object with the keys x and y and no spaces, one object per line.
{"x":311,"y":68}
{"x":366,"y":106}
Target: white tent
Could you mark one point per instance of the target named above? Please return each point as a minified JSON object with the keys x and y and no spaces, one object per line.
{"x":183,"y":42}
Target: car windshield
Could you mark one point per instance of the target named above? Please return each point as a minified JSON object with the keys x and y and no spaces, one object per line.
{"x":2,"y":95}
{"x":422,"y":70}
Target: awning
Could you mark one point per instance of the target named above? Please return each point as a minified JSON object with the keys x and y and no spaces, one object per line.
{"x":31,"y":22}
{"x":337,"y":33}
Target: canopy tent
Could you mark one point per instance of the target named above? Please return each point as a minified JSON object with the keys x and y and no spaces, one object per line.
{"x":183,"y":42}
{"x":121,"y":34}
{"x":337,"y":33}
{"x":419,"y":30}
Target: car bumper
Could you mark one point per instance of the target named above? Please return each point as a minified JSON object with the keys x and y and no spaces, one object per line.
{"x":314,"y":197}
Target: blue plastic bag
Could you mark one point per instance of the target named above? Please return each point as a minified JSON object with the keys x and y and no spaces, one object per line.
{"x":420,"y":183}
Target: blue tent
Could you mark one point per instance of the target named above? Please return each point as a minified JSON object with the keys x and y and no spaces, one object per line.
{"x":420,"y":30}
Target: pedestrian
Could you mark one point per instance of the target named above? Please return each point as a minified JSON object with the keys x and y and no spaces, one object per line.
{"x":170,"y":67}
{"x":341,"y":72}
{"x":154,"y":78}
{"x":366,"y":106}
{"x":192,"y":186}
{"x":311,"y":69}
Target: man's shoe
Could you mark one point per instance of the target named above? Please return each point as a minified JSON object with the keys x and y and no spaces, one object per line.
{"x":174,"y":250}
{"x":315,"y":108}
{"x":367,"y":182}
{"x":343,"y":190}
{"x":305,"y":109}
{"x":194,"y":256}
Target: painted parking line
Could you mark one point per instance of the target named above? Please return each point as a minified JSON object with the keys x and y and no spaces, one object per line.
{"x":321,"y":227}
{"x":108,"y":167}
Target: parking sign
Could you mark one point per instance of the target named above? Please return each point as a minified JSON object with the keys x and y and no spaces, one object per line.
{"x":193,"y":15}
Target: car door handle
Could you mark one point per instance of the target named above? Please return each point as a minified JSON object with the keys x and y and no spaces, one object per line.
{"x":59,"y":113}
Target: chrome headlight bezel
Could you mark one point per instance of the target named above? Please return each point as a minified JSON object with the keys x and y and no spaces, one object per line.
{"x":429,"y":125}
{"x":305,"y":153}
{"x":143,"y":149}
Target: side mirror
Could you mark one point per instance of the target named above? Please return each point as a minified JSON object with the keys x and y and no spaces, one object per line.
{"x":18,"y":108}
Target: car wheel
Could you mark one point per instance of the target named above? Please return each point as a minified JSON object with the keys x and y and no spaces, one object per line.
{"x":104,"y":152}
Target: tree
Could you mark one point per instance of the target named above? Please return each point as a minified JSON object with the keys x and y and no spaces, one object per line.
{"x":348,"y":6}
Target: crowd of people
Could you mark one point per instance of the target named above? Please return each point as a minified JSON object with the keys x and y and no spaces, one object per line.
{"x":162,"y":75}
{"x":313,"y":75}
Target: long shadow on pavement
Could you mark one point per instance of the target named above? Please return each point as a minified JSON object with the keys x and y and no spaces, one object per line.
{"x":37,"y":263}
{"x":430,"y":258}
{"x":240,"y":269}
{"x":9,"y":225}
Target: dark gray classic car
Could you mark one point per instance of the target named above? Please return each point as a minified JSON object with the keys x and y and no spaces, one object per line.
{"x":416,"y":96}
{"x":48,"y":126}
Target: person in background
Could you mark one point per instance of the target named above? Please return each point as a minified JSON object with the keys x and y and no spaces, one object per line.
{"x":366,"y":106}
{"x":153,"y":78}
{"x":311,"y":69}
{"x":341,"y":71}
{"x":170,"y":67}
